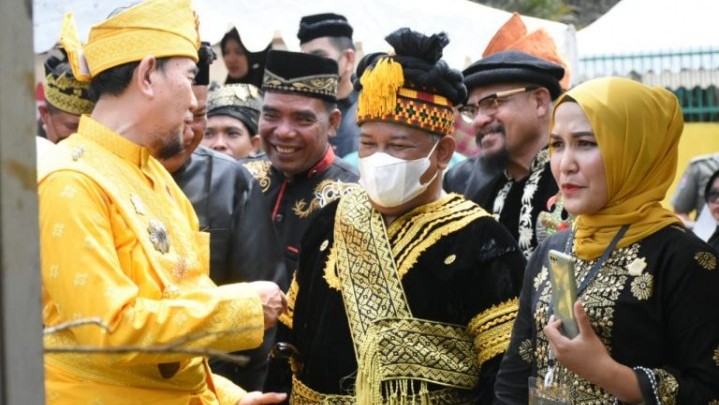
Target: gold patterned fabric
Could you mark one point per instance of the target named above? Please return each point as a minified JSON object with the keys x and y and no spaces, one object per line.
{"x":161,"y":28}
{"x":379,"y":317}
{"x":492,"y":329}
{"x":67,"y":94}
{"x":388,"y":319}
{"x":304,"y":395}
{"x":421,"y":228}
{"x":126,"y":249}
{"x":317,"y":84}
{"x":234,"y":95}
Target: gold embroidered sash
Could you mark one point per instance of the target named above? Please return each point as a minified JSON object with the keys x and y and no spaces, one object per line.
{"x":396,"y":353}
{"x":371,"y":287}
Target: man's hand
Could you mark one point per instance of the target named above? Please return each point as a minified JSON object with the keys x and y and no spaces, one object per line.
{"x":273,"y":301}
{"x":258,"y":398}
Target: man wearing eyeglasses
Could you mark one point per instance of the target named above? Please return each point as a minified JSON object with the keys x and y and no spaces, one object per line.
{"x":509,"y":106}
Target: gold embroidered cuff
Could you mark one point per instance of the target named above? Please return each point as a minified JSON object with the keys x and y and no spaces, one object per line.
{"x":492,"y":329}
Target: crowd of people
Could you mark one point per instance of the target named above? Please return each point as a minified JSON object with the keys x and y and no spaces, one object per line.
{"x":306,"y":232}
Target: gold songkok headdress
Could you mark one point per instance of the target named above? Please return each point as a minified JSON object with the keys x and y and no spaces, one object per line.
{"x":234,"y":95}
{"x":241,"y":101}
{"x":62,"y":91}
{"x":161,"y":28}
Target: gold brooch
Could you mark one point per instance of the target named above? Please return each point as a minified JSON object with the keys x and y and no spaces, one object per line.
{"x":158,"y":236}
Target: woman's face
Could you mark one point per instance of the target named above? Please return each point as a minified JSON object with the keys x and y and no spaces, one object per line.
{"x":712,"y":198}
{"x":576,"y":161}
{"x":235,"y":59}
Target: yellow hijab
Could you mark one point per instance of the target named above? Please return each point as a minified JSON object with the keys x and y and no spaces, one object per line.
{"x":637,"y":129}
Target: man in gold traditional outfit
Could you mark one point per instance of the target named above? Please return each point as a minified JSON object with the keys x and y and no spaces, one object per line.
{"x":122,"y":254}
{"x":404,"y":294}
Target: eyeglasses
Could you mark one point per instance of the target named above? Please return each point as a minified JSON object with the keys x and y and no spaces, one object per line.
{"x":490,"y":104}
{"x":712,"y":196}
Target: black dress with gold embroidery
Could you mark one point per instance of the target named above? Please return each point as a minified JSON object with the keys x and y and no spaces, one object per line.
{"x":653,"y":304}
{"x":454,"y":269}
{"x":296,"y":202}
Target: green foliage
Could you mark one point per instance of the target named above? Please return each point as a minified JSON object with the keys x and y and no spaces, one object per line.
{"x":556,"y":10}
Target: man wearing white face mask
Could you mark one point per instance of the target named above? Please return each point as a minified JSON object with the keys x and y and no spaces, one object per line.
{"x":402,"y":290}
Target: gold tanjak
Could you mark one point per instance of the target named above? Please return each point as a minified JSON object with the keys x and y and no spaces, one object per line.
{"x":161,"y":28}
{"x":384,"y":97}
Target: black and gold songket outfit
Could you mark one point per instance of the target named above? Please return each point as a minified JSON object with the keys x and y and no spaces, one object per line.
{"x":428,"y":303}
{"x":294,"y":202}
{"x":645,"y":293}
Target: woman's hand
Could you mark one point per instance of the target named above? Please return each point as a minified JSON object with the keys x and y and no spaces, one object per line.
{"x":259,"y":398}
{"x":587,"y":357}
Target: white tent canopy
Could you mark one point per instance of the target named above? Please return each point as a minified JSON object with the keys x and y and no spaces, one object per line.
{"x":469,"y":25}
{"x":668,"y":38}
{"x":651,"y":25}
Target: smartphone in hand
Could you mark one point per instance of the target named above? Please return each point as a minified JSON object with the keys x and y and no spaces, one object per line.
{"x":564,"y":291}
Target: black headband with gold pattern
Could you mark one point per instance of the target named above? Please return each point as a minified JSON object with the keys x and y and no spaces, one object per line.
{"x":301,"y":73}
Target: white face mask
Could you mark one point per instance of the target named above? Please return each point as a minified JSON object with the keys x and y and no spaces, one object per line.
{"x":391,"y":181}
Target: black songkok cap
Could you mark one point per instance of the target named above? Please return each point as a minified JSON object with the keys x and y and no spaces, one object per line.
{"x":302,"y":73}
{"x":512,"y":67}
{"x":323,"y":25}
{"x":205,"y":58}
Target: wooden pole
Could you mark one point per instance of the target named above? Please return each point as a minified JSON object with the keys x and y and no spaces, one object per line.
{"x":21,"y":380}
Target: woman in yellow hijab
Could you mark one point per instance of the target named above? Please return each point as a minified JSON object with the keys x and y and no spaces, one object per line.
{"x":648,"y":290}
